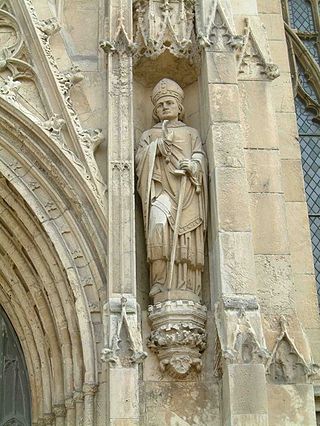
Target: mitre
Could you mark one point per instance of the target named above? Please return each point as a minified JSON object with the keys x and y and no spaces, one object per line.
{"x":167,"y":87}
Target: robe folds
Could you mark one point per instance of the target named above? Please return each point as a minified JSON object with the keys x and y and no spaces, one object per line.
{"x":157,"y":159}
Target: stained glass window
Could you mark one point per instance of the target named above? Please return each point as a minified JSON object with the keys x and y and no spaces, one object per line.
{"x":315,"y":238}
{"x":303,"y":17}
{"x":305,"y":83}
{"x":300,"y":15}
{"x":311,"y":45}
{"x":309,"y":132}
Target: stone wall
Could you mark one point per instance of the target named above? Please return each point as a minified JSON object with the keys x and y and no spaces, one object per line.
{"x":75,"y":93}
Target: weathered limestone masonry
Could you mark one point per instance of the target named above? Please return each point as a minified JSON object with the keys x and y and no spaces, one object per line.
{"x":121,"y":308}
{"x":237,"y":311}
{"x":95,"y":98}
{"x":286,"y":259}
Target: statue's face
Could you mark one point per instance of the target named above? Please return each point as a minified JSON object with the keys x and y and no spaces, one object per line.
{"x":167,"y":108}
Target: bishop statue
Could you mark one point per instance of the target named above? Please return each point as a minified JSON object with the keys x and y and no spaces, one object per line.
{"x":172,"y":183}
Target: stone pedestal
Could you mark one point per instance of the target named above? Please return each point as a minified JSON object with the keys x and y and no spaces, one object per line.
{"x":178,"y":335}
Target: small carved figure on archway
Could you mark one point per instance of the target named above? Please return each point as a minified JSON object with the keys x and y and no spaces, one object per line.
{"x":171,"y":169}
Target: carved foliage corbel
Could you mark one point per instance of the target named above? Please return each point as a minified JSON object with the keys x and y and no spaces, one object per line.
{"x":122,"y":333}
{"x":70,"y":78}
{"x":54,"y":125}
{"x":178,"y":335}
{"x":48,"y":27}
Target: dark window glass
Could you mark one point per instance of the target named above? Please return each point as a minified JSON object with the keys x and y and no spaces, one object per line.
{"x":300,"y":15}
{"x":311,"y":45}
{"x":14,"y":386}
{"x":303,"y":17}
{"x":315,"y":238}
{"x":309,"y":132}
{"x":306,"y":84}
{"x":310,"y":152}
{"x":306,"y":124}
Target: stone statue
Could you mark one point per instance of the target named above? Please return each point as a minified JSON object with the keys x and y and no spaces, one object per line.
{"x":172,"y":183}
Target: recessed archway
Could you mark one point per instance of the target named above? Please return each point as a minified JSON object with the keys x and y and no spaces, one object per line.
{"x":52,"y":268}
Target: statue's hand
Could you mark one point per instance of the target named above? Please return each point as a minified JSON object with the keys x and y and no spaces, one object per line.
{"x":189,"y":166}
{"x":162,"y":148}
{"x":193,"y":170}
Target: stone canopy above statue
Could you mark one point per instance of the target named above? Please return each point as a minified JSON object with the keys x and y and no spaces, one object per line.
{"x":165,"y":46}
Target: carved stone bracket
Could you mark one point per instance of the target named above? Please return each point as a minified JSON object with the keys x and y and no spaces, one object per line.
{"x":178,"y":335}
{"x":286,"y":364}
{"x":48,"y":27}
{"x":120,"y":320}
{"x":69,"y":78}
{"x":254,"y":59}
{"x":54,"y":125}
{"x":239,"y":329}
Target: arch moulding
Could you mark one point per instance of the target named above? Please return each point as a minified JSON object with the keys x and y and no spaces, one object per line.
{"x":52,"y":263}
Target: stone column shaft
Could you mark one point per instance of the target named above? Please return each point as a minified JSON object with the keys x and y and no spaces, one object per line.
{"x":231,"y":238}
{"x":233,"y":279}
{"x":121,"y":244}
{"x":71,"y":412}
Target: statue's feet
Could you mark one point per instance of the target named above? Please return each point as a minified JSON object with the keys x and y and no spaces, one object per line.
{"x":156,"y":289}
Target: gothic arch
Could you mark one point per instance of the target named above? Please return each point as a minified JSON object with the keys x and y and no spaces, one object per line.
{"x":52,"y":267}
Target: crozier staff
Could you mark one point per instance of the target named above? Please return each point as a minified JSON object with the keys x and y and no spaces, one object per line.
{"x":171,"y":169}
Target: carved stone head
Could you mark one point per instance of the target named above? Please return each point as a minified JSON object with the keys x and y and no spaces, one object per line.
{"x":167,"y":90}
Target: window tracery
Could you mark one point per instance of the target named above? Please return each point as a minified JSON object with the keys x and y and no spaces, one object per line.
{"x":302,"y":26}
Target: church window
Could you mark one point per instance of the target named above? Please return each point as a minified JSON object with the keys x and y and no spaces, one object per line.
{"x":302,"y":30}
{"x":14,"y":385}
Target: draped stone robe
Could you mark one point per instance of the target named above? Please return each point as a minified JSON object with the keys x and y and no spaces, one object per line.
{"x":157,"y":159}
